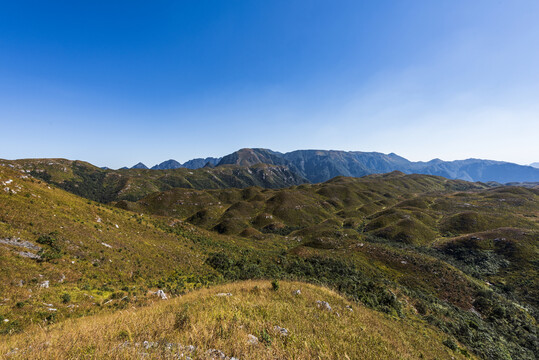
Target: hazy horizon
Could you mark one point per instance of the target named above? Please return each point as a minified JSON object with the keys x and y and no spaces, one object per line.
{"x":113,"y":84}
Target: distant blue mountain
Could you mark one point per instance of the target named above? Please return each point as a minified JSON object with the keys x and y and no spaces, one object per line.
{"x":322,"y":165}
{"x":166,"y":165}
{"x":201,"y":162}
{"x":191,"y":164}
{"x":139,"y":166}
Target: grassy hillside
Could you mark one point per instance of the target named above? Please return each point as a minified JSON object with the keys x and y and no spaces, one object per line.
{"x":101,"y":185}
{"x":62,"y":255}
{"x":244,"y":325}
{"x":459,"y":256}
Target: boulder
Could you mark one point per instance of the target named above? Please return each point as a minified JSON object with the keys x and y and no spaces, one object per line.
{"x":281,"y":330}
{"x":324,"y":305}
{"x":161,"y":294}
{"x":252,"y":340}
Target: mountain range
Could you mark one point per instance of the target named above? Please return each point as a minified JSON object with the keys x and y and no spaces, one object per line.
{"x":321,"y":165}
{"x":173,"y":164}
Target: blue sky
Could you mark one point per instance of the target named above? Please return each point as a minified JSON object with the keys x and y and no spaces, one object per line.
{"x":115,"y":82}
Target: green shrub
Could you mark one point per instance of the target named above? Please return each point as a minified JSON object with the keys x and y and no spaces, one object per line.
{"x":265,"y":338}
{"x":275,"y":285}
{"x":66,"y":298}
{"x":52,"y":249}
{"x":20,"y":304}
{"x":450,"y":343}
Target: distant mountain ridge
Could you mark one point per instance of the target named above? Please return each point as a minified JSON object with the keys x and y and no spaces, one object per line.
{"x":139,"y":166}
{"x":191,"y":164}
{"x":322,"y":165}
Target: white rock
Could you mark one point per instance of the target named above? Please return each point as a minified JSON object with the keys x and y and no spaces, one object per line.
{"x":161,"y":294}
{"x":224,"y":294}
{"x":297,"y":292}
{"x":44,"y":284}
{"x":216,"y":354}
{"x":252,"y":340}
{"x":281,"y":330}
{"x":324,"y":305}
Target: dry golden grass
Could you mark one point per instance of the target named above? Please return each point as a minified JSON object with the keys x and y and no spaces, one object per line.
{"x":207,"y":321}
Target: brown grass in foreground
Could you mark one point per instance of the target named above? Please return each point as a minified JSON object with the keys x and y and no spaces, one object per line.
{"x":206,"y":321}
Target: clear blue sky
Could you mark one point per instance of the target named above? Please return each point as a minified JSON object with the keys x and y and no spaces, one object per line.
{"x":117,"y":82}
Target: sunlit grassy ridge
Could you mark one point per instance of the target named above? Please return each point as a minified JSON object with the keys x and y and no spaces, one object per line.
{"x":207,"y":321}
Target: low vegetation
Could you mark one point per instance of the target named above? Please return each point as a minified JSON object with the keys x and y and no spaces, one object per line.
{"x":246,"y":320}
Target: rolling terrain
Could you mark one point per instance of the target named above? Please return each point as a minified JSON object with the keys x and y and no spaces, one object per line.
{"x":416,"y":254}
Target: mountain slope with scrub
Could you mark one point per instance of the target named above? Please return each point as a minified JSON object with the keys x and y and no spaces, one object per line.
{"x":105,"y":185}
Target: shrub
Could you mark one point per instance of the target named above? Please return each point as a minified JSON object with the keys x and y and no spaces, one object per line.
{"x":66,"y":298}
{"x":265,"y":338}
{"x":275,"y":285}
{"x":48,"y":239}
{"x":219,"y":261}
{"x":450,"y":343}
{"x":123,"y":335}
{"x":52,"y":250}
